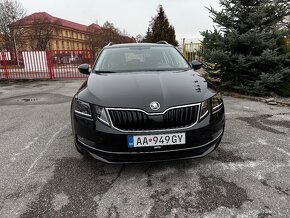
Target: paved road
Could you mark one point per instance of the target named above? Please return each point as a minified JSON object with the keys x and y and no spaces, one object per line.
{"x":42,"y":174}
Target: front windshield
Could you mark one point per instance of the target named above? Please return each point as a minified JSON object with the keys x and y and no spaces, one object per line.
{"x":145,"y":58}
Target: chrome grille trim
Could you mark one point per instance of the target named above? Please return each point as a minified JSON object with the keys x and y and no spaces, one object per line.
{"x":152,"y":114}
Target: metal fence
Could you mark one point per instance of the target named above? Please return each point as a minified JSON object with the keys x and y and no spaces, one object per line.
{"x":60,"y":64}
{"x":52,"y":64}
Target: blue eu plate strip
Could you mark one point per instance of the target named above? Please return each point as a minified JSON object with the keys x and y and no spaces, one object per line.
{"x":130,"y":141}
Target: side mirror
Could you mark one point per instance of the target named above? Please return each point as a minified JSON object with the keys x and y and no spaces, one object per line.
{"x":196,"y":65}
{"x":84,"y":69}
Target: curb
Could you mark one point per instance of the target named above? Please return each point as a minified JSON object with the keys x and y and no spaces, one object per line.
{"x":253,"y":98}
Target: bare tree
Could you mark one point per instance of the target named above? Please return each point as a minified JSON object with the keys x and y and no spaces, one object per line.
{"x":41,"y":33}
{"x":110,"y":26}
{"x":108,"y":33}
{"x":93,"y":40}
{"x":10,"y":12}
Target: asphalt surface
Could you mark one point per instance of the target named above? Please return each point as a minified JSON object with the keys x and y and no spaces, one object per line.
{"x":42,"y":175}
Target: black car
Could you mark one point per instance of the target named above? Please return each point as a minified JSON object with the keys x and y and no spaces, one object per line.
{"x":144,"y":102}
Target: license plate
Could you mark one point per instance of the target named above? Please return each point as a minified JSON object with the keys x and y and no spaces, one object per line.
{"x":135,"y":141}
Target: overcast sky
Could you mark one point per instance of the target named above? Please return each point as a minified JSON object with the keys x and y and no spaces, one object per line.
{"x":189,"y":17}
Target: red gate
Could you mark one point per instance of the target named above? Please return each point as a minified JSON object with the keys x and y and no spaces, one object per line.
{"x":52,"y":64}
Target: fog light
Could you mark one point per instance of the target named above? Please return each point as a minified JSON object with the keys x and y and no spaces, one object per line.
{"x":85,"y":141}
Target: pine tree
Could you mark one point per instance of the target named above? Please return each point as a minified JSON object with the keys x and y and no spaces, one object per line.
{"x":148,"y":36}
{"x":243,"y":49}
{"x":160,"y":29}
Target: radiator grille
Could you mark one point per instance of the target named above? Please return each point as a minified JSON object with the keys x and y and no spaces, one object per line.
{"x":135,"y":120}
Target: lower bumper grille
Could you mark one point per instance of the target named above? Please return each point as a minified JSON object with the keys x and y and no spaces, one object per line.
{"x":137,"y":120}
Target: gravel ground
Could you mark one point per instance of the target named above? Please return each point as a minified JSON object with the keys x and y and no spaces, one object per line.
{"x":43,"y":176}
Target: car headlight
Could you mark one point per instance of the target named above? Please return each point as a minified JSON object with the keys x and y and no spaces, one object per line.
{"x":216,"y":102}
{"x":83,"y":108}
{"x":204,"y":109}
{"x":102,"y":115}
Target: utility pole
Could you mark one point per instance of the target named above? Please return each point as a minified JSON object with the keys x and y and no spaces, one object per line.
{"x":15,"y":48}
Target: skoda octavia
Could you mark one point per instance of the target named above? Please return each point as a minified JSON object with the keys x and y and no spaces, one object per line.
{"x":145,"y":102}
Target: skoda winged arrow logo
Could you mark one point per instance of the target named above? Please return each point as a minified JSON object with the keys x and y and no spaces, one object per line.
{"x":154,"y":105}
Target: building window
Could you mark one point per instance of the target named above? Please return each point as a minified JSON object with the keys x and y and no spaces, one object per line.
{"x":66,"y":33}
{"x":57,"y":44}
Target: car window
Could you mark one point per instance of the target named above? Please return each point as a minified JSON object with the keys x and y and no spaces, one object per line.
{"x":143,"y":58}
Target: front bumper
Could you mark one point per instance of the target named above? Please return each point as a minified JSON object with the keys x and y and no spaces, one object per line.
{"x":110,"y":145}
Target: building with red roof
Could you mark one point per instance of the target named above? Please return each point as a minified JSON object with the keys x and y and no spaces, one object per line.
{"x":63,"y":34}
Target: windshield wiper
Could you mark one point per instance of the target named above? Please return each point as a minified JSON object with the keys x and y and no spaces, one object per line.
{"x":104,"y":71}
{"x":167,"y":70}
{"x":155,"y":70}
{"x":179,"y":71}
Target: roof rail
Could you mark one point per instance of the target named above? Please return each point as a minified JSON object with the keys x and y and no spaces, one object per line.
{"x":162,"y":42}
{"x":110,"y":43}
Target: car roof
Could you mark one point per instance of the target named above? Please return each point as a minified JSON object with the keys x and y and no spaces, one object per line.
{"x":137,"y":45}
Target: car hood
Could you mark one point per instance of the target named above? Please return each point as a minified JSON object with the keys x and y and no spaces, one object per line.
{"x":139,"y":89}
